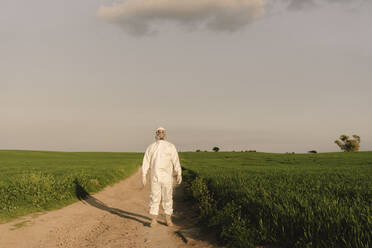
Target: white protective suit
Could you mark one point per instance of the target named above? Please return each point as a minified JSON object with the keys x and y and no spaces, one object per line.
{"x":161,"y":158}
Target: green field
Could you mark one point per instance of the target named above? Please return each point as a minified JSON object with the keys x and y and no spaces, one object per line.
{"x":247,"y":198}
{"x":283,"y":200}
{"x":32,"y":181}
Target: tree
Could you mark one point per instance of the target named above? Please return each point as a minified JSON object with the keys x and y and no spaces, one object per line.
{"x":216,"y":149}
{"x":348,"y":145}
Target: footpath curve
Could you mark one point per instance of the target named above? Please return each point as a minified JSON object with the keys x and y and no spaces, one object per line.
{"x":115,"y":217}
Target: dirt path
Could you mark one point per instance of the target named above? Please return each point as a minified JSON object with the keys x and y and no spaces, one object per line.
{"x":114,"y":217}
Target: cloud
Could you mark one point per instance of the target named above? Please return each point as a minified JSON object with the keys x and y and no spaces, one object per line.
{"x":142,"y":17}
{"x":301,"y":4}
{"x":310,"y":4}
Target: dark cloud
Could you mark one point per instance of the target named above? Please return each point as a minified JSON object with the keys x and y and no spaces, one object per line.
{"x":141,"y":17}
{"x":144,"y":17}
{"x":301,"y":4}
{"x":310,"y":4}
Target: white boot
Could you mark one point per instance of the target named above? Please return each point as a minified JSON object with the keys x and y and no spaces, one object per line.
{"x":169,"y":220}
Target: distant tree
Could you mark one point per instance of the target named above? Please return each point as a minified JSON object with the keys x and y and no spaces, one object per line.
{"x":312,"y":151}
{"x":198,"y":150}
{"x":348,"y":145}
{"x":216,"y":149}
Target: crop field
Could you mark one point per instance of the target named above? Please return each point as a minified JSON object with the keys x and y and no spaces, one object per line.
{"x":283,"y":200}
{"x":249,"y":199}
{"x":32,"y":181}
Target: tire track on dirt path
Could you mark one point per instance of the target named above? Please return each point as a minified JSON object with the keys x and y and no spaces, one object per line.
{"x":115,"y":217}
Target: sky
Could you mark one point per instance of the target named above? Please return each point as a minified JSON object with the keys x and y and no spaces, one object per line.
{"x":100,"y":75}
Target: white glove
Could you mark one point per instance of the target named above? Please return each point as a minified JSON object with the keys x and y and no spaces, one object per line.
{"x":144,"y":180}
{"x":179,"y":179}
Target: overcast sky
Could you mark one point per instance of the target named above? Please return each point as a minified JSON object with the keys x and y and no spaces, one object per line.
{"x":273,"y":76}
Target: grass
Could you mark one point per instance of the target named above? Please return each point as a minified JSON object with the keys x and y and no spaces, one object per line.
{"x":247,"y":198}
{"x":283,"y":200}
{"x":20,"y":224}
{"x":34,"y":181}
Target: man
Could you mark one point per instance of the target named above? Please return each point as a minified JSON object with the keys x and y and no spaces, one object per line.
{"x":161,"y":158}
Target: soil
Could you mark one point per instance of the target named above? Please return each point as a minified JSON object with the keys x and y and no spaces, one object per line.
{"x":115,"y":217}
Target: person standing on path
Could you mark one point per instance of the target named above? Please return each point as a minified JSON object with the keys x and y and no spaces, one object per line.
{"x":161,"y":158}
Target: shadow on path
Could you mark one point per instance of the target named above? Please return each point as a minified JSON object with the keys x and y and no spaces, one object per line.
{"x":84,"y":196}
